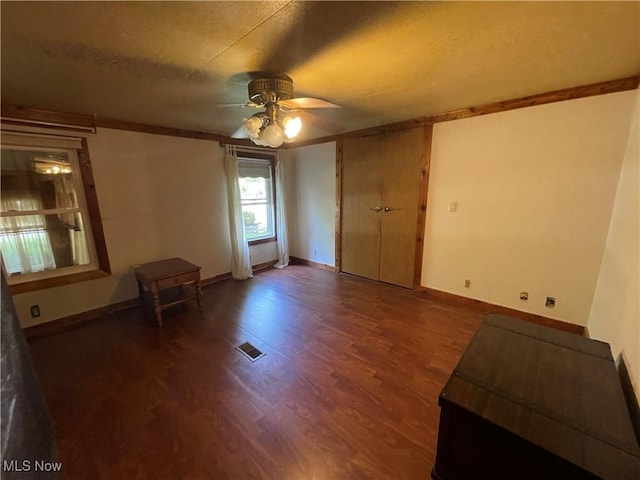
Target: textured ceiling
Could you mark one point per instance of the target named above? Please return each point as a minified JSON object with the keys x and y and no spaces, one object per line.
{"x":174,"y":63}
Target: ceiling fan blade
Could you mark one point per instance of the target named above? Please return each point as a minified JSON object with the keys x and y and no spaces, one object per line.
{"x":245,"y":104}
{"x":240,"y":133}
{"x":307,"y":102}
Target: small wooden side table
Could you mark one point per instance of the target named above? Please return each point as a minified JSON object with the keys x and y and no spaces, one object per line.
{"x":165,"y":274}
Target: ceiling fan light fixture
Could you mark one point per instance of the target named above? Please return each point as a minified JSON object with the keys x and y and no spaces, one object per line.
{"x":292,"y":127}
{"x":271,"y":128}
{"x":271,"y":132}
{"x":273,"y":135}
{"x":258,"y":141}
{"x":252,"y":125}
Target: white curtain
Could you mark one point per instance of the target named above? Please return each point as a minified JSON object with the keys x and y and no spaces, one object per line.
{"x":24,"y":240}
{"x":240,"y":260}
{"x":281,"y":216}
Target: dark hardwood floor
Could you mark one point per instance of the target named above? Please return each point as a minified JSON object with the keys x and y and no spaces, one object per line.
{"x":348,"y":387}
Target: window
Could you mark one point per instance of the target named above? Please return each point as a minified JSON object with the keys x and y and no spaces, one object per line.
{"x":47,"y":230}
{"x":257,"y":193}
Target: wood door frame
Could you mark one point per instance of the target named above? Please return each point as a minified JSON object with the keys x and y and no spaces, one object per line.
{"x":422,"y":205}
{"x":338,"y":216}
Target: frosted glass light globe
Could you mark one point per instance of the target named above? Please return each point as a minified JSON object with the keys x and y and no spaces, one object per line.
{"x":252,"y":125}
{"x":292,"y":127}
{"x":273,"y":136}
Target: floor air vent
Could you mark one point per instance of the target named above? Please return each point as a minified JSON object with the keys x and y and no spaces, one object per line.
{"x":250,"y":351}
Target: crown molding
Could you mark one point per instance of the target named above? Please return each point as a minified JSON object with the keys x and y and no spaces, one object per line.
{"x":33,"y":114}
{"x":601,"y":88}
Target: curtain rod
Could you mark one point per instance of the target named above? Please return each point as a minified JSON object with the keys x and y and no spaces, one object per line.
{"x":40,"y":123}
{"x":257,"y":149}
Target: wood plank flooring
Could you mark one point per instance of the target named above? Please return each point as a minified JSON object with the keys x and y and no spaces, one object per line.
{"x":348,"y":387}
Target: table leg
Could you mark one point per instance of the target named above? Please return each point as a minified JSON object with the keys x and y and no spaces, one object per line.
{"x":156,"y":304}
{"x":140,"y":292}
{"x":199,"y":295}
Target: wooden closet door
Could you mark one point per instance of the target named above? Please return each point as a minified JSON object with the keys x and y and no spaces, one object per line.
{"x":361,"y":193}
{"x":403,"y":152}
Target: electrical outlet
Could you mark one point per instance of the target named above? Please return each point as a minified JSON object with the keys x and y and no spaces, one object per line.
{"x":524,"y":296}
{"x":467,"y":283}
{"x":550,"y":303}
{"x":35,"y":311}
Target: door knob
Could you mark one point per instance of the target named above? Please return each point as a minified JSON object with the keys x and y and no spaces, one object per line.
{"x":376,"y":209}
{"x":386,"y":209}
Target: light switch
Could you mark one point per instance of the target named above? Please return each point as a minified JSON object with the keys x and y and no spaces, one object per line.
{"x":453,"y":206}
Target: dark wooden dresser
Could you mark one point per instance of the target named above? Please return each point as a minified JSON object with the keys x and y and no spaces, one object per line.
{"x":531,"y":402}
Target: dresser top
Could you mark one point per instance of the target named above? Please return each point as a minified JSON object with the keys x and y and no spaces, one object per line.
{"x":555,"y":389}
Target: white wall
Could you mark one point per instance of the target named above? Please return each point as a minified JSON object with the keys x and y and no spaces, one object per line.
{"x":159,"y":197}
{"x":535,"y":190}
{"x":312,"y":203}
{"x":615,"y":314}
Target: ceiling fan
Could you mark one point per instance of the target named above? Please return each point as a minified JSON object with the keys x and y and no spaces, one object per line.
{"x":277,"y":123}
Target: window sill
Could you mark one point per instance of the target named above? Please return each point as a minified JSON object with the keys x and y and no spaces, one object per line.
{"x":262,"y":240}
{"x":43,"y":283}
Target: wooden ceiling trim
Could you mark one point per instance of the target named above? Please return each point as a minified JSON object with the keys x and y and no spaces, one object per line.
{"x":19,"y":112}
{"x":158,"y":130}
{"x":366,"y":132}
{"x":601,"y":88}
{"x":390,"y":127}
{"x":32,"y":114}
{"x":48,"y":116}
{"x":312,"y":141}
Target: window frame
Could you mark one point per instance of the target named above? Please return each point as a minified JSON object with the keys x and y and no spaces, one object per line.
{"x":99,"y":265}
{"x":271,"y":159}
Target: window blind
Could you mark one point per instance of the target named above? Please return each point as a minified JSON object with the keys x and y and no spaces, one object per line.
{"x":44,"y":141}
{"x":254,"y":168}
